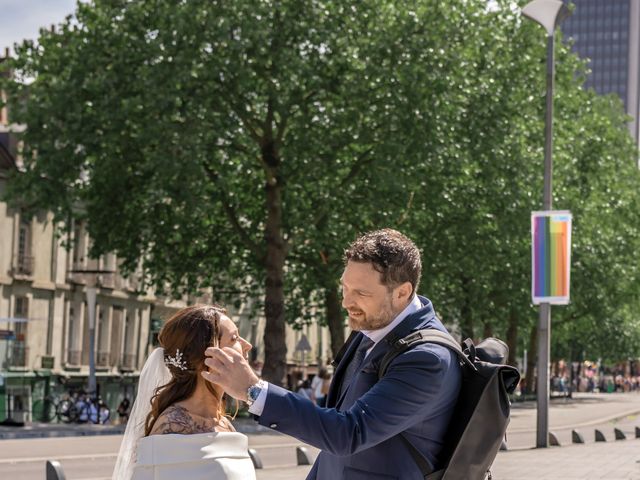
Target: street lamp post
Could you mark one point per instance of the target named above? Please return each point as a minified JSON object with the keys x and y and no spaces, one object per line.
{"x":549,"y":14}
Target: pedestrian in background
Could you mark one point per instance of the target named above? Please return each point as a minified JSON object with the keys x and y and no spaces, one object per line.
{"x":320,"y":386}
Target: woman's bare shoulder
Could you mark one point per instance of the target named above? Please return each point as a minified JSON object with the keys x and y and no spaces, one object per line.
{"x":177,"y":419}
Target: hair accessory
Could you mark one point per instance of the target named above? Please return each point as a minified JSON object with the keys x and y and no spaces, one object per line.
{"x":176,"y":361}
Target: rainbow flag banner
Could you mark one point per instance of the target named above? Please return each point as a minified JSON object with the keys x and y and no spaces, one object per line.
{"x":550,"y":257}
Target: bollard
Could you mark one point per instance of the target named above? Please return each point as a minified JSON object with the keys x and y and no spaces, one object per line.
{"x":255,"y":458}
{"x":600,"y":436}
{"x":303,"y":456}
{"x":637,"y":432}
{"x":54,"y":470}
{"x":553,"y":440}
{"x":619,"y":434}
{"x":576,"y":437}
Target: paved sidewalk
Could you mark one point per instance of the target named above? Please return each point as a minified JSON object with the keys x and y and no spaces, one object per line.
{"x":583,"y":409}
{"x":584,"y":412}
{"x":618,"y":460}
{"x":612,"y":461}
{"x":615,"y":460}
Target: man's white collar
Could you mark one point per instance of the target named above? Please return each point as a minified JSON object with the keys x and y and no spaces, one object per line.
{"x":377,"y":335}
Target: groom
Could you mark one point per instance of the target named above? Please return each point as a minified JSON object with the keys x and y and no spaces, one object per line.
{"x":370,"y":426}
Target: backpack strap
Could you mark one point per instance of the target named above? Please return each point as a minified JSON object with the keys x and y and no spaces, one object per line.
{"x":426,"y":335}
{"x":401,"y":345}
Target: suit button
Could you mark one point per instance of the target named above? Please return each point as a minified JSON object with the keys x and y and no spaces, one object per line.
{"x":273,"y":425}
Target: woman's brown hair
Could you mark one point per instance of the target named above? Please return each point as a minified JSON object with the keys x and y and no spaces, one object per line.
{"x":186,"y":336}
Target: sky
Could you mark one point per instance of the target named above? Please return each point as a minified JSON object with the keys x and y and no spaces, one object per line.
{"x":22,"y":19}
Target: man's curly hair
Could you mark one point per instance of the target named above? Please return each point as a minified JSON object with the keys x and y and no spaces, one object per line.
{"x":391,"y":253}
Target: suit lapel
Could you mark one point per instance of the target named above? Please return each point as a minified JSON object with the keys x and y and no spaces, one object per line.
{"x":336,"y":381}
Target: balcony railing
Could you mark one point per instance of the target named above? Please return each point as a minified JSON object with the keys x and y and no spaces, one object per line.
{"x":102,"y":359}
{"x":128,"y":362}
{"x":18,"y":355}
{"x":22,"y":265}
{"x":74,"y":357}
{"x":107,"y":281}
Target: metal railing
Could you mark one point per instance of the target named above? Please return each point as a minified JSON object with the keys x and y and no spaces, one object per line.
{"x":128,"y":362}
{"x":23,"y":265}
{"x":18,"y":355}
{"x":102,"y":359}
{"x":74,"y":357}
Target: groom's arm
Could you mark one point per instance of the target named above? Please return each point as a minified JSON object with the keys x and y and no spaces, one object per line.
{"x":420,"y":385}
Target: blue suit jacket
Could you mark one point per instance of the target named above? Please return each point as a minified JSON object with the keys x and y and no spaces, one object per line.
{"x":359,"y":432}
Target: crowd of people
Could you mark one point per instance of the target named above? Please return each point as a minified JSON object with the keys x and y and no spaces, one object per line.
{"x":593,"y":377}
{"x":602,"y":383}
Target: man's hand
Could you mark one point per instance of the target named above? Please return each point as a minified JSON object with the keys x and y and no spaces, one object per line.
{"x":229,"y":369}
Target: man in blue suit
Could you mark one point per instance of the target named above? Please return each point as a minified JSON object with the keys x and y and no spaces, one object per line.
{"x":369,"y":425}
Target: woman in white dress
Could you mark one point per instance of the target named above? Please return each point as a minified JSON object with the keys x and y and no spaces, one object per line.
{"x":178,"y":427}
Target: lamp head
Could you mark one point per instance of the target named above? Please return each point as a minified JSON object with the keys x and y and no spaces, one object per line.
{"x":548,"y":13}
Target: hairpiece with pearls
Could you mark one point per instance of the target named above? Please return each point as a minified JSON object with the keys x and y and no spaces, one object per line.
{"x":176,"y":361}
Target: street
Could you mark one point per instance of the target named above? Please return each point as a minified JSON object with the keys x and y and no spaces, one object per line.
{"x":93,"y":457}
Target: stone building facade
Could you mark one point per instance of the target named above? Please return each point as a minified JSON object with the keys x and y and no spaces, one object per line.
{"x":44,"y":321}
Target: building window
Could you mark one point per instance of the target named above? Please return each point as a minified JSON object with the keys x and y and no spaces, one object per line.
{"x":78,"y":245}
{"x":102,"y":359}
{"x":115,"y":352}
{"x":73,"y":352}
{"x":21,"y":313}
{"x":130,"y":333}
{"x":24,"y":260}
{"x":19,"y":350}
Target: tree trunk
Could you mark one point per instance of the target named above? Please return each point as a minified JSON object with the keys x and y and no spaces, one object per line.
{"x":512,"y":338}
{"x":275,"y":348}
{"x":335,"y":318}
{"x":466,"y":320}
{"x":532,"y":360}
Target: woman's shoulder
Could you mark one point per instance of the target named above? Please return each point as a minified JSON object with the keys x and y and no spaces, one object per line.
{"x":177,"y":419}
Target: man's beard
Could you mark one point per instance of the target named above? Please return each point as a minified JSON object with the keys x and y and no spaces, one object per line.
{"x":377,"y":320}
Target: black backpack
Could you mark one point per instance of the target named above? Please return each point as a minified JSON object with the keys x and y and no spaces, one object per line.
{"x":481,"y":415}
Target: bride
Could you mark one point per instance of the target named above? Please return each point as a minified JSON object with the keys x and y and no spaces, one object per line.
{"x":178,"y":427}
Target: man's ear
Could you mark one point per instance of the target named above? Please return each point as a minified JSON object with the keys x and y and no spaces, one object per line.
{"x":403,"y":291}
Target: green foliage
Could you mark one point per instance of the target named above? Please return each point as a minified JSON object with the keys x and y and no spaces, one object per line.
{"x":169,"y":121}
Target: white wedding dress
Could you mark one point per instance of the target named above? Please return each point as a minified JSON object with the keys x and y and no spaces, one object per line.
{"x":202,"y":456}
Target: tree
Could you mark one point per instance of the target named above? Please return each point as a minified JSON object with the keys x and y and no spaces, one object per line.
{"x":219,"y":141}
{"x":242,"y":145}
{"x":489,"y":179}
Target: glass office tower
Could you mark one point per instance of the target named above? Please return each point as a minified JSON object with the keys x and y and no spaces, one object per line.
{"x":607,"y":32}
